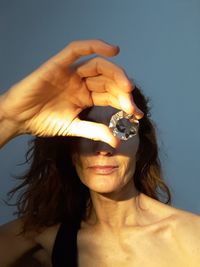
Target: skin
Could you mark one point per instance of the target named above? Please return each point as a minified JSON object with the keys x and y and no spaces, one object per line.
{"x":116,"y":220}
{"x":48,"y":101}
{"x":113,"y":195}
{"x":118,"y":233}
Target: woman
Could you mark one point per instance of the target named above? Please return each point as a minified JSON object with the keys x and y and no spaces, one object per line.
{"x":90,"y":199}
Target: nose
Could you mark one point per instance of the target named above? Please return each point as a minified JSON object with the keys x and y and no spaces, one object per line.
{"x":103,"y":149}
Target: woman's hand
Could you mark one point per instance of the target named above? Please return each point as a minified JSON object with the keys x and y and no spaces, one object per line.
{"x":48,"y":101}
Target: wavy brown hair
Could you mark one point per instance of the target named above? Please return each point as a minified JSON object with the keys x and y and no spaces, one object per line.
{"x":50,"y":190}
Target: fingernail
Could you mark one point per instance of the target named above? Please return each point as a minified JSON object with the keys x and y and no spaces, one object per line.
{"x":139,"y":115}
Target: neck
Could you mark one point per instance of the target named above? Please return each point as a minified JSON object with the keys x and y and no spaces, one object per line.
{"x":115,"y":210}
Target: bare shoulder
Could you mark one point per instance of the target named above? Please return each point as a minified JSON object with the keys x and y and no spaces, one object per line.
{"x":12,"y":232}
{"x":180,"y":224}
{"x":14,"y":245}
{"x":189,"y":224}
{"x":186,"y":224}
{"x":182,"y":229}
{"x":187,"y":233}
{"x":29,"y":249}
{"x":47,"y":238}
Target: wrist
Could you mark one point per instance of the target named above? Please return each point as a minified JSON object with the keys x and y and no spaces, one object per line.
{"x":8,"y":129}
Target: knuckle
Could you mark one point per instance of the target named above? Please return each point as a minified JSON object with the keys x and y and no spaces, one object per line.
{"x":74,"y":43}
{"x":130,"y":86}
{"x":98,"y":59}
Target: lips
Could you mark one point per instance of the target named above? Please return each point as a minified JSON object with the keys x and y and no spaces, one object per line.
{"x":103,"y":169}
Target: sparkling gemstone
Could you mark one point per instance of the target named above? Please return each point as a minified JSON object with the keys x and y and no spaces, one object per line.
{"x":123,"y":125}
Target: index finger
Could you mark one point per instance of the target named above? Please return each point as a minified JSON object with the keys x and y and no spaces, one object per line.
{"x":77,"y":49}
{"x":100,"y":66}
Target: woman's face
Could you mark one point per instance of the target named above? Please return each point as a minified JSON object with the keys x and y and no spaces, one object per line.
{"x":99,"y":166}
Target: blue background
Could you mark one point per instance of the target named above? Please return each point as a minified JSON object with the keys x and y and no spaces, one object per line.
{"x":160,"y":49}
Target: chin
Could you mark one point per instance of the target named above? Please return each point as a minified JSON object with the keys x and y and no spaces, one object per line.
{"x":104,"y":186}
{"x":102,"y":190}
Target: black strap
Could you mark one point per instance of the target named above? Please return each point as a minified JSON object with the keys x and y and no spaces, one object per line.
{"x":64,"y":252}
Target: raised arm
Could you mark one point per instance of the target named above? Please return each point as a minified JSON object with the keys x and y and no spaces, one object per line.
{"x":8,"y":128}
{"x":48,"y":101}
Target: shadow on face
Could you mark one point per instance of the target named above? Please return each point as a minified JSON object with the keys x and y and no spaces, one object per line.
{"x":86,"y":146}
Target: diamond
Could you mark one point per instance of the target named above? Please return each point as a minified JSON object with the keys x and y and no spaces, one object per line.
{"x":123,"y":125}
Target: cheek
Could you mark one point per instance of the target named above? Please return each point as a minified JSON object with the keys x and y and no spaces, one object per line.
{"x":128,"y":167}
{"x":129,"y":148}
{"x":78,"y":162}
{"x":129,"y":151}
{"x":76,"y":159}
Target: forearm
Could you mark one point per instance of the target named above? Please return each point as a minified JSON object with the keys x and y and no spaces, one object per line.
{"x":8,"y":129}
{"x":7,"y":132}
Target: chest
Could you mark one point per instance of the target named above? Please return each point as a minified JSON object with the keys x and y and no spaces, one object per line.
{"x":155,"y":247}
{"x":132,"y":250}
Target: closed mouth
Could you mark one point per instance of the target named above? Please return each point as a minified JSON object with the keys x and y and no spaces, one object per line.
{"x":103,"y":169}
